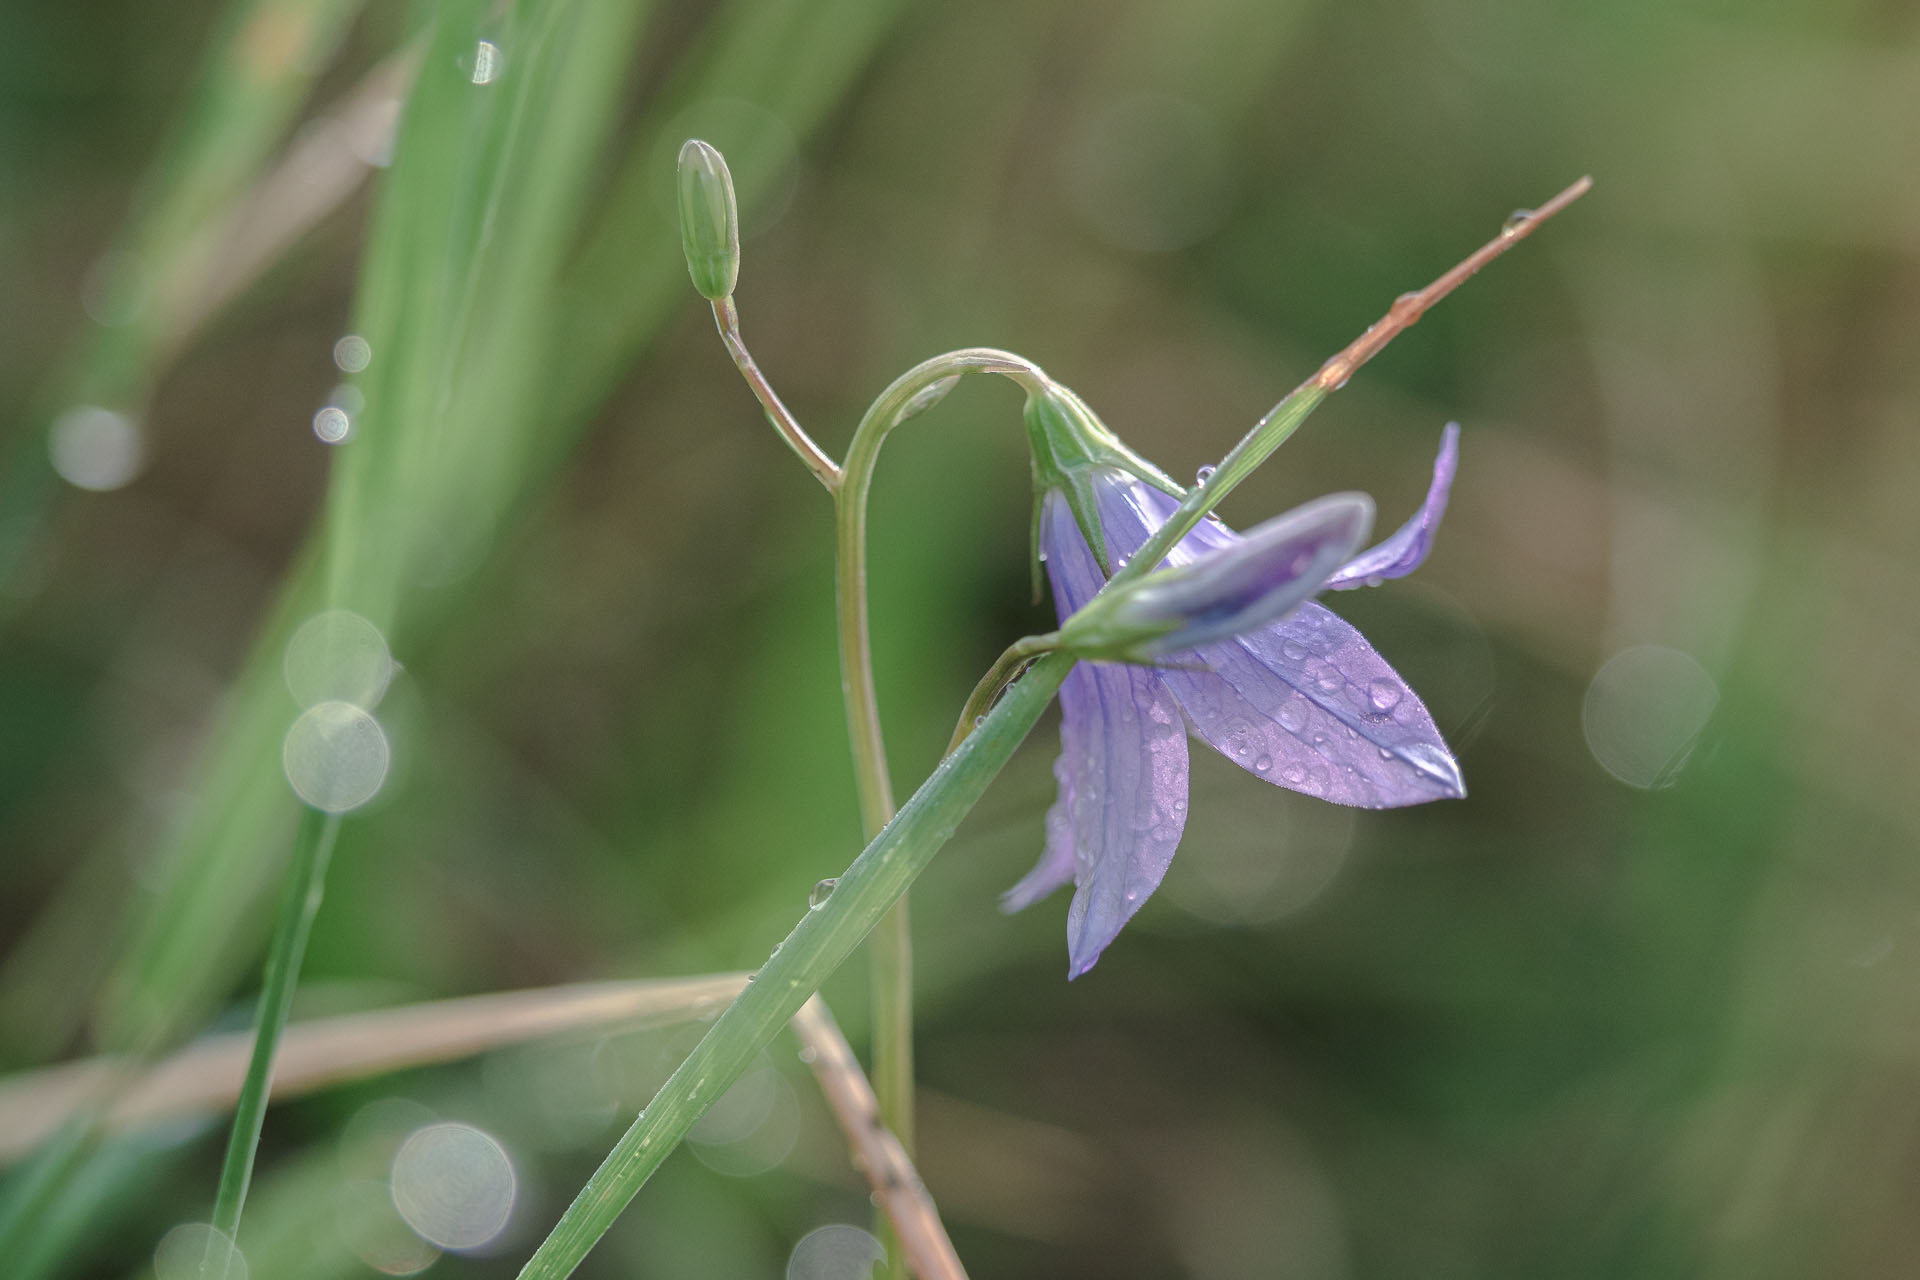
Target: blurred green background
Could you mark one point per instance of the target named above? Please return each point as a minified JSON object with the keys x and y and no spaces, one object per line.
{"x":1645,"y":1004}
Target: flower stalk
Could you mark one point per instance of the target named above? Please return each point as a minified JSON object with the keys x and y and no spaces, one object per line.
{"x":892,"y":949}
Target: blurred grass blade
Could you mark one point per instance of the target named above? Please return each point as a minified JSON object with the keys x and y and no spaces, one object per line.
{"x":456,"y":299}
{"x":205,"y":1076}
{"x":194,"y":933}
{"x":306,"y":874}
{"x":263,"y":62}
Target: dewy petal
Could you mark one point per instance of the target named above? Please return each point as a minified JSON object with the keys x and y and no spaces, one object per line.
{"x":1308,"y":704}
{"x":1402,"y":553}
{"x":1124,"y":742}
{"x":1307,"y":696}
{"x":1122,"y":771}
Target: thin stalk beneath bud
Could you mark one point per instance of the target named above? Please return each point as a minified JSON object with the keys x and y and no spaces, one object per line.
{"x":727,"y":319}
{"x":1284,"y":418}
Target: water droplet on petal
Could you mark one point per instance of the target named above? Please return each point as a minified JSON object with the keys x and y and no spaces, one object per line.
{"x":1263,"y":764}
{"x":1293,"y":715}
{"x":1294,"y":774}
{"x":1383,"y":696}
{"x":1292,"y":652}
{"x":821,"y":892}
{"x":1436,"y":764}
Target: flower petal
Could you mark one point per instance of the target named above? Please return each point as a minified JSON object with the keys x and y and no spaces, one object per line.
{"x":1308,"y":704}
{"x":1256,"y":580}
{"x":1401,"y":553}
{"x":1055,"y":867}
{"x":1124,"y":743}
{"x":1122,"y":770}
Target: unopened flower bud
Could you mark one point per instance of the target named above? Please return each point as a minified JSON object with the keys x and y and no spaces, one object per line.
{"x":709,"y":221}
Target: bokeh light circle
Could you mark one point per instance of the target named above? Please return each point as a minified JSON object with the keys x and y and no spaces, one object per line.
{"x":1644,"y":709}
{"x":337,"y":656}
{"x":332,"y":424}
{"x":835,"y":1252}
{"x":352,"y":353}
{"x":454,"y":1185}
{"x":183,"y":1251}
{"x":95,"y":448}
{"x":335,"y":756}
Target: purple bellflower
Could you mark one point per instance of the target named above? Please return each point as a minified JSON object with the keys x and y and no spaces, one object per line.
{"x":1245,"y":662}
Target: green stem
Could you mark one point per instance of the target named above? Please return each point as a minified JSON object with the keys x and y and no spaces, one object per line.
{"x":1267,"y":435}
{"x":892,"y":950}
{"x":823,"y":939}
{"x":1283,"y":418}
{"x":727,"y":319}
{"x":312,"y":847}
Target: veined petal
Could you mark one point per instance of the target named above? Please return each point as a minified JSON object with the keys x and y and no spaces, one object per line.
{"x":1401,"y":553}
{"x":1124,"y":743}
{"x":1055,"y":867}
{"x":1072,"y":571}
{"x":1130,"y":510}
{"x":1122,"y":772}
{"x":1308,"y":704}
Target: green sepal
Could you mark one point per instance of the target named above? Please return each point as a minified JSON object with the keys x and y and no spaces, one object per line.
{"x":1070,"y":447}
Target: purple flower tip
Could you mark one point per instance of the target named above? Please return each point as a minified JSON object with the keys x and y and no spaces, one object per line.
{"x":1402,"y":553}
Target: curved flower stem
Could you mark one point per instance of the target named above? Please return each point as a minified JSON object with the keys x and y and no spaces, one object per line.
{"x":824,"y":938}
{"x":312,"y":848}
{"x":727,"y":319}
{"x":892,"y":970}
